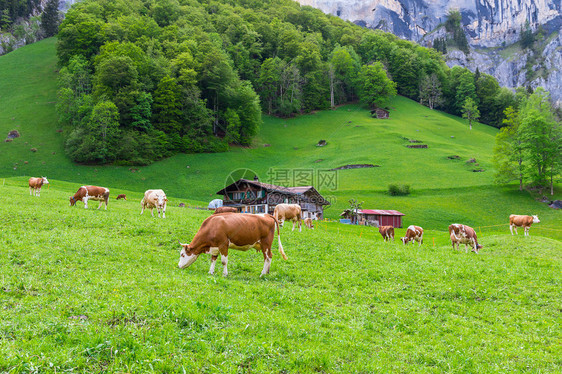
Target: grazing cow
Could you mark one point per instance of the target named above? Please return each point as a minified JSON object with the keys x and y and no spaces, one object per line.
{"x":308,"y":223}
{"x":516,"y":221}
{"x":289,"y":212}
{"x":35,"y":185}
{"x":462,"y":234}
{"x":387,"y":232}
{"x":122,"y":196}
{"x":413,"y":234}
{"x":220,"y":232}
{"x":86,"y":193}
{"x":154,"y":199}
{"x":225,"y":209}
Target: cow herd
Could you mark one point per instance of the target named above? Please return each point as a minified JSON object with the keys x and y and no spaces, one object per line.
{"x":228,"y":229}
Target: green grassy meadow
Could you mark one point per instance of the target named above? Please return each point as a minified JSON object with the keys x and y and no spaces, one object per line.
{"x":444,"y":190}
{"x":99,"y":291}
{"x":93,"y":291}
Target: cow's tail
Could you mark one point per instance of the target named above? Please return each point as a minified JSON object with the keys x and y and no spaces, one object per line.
{"x":279,"y":239}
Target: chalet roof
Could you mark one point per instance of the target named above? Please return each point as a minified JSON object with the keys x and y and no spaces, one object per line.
{"x":265,"y":186}
{"x":380,"y":212}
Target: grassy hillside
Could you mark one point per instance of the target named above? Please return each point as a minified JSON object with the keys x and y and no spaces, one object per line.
{"x":99,"y":291}
{"x":444,"y":190}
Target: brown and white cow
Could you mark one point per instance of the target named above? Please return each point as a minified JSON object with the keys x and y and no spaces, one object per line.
{"x":219,"y":232}
{"x":35,"y":185}
{"x":463,"y":234}
{"x":387,"y":232}
{"x":154,"y":199}
{"x":86,"y":193}
{"x":122,"y":196}
{"x":308,"y":223}
{"x":289,"y":212}
{"x":225,"y":209}
{"x":413,"y":234}
{"x":516,"y":221}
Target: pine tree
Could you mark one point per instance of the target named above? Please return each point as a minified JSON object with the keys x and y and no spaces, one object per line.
{"x":50,"y":18}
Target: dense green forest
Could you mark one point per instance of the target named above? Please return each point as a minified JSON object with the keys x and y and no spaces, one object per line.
{"x":12,"y":10}
{"x":142,"y":80}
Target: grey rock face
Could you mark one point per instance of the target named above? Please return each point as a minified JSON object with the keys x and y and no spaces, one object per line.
{"x":489,"y":25}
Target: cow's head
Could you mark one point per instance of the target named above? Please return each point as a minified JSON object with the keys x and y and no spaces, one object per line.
{"x":72,"y":200}
{"x":45,"y":181}
{"x":405,"y":240}
{"x":536,"y":219}
{"x":160,"y":199}
{"x":187,"y":256}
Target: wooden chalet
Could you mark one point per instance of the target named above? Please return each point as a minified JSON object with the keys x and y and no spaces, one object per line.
{"x":376,"y":217}
{"x":253,"y":196}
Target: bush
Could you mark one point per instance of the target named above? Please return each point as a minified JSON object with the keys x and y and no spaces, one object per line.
{"x":398,"y":189}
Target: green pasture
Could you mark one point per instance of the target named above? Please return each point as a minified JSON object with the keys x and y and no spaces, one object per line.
{"x":92,"y":291}
{"x":443,"y":190}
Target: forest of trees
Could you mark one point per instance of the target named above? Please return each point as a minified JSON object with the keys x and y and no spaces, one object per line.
{"x":144,"y":79}
{"x":12,"y":10}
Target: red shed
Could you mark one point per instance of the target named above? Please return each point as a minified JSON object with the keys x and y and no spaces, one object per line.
{"x":383,"y":217}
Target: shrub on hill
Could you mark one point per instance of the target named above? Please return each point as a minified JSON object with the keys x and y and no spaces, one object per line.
{"x":398,"y":189}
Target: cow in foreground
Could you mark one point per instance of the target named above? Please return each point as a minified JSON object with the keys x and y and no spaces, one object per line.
{"x":220,"y":232}
{"x":86,"y":193}
{"x":288,"y":212}
{"x":413,"y":234}
{"x":308,"y":223}
{"x":516,"y":221}
{"x":35,"y":185}
{"x":154,"y":199}
{"x":462,"y":234}
{"x":122,"y":196}
{"x":225,"y":209}
{"x":387,"y":232}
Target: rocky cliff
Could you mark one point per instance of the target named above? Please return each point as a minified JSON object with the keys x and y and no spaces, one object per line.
{"x":492,"y":28}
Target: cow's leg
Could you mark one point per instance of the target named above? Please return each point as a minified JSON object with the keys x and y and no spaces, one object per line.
{"x":224,"y":260}
{"x":158,"y":210}
{"x":30,"y":191}
{"x":99,"y":206}
{"x":511,"y":229}
{"x":213,"y":262}
{"x":267,"y":256}
{"x":39,"y":191}
{"x":293,"y":225}
{"x":527,"y":230}
{"x":164,"y":211}
{"x":300,"y":225}
{"x":515,"y":228}
{"x":85,"y":201}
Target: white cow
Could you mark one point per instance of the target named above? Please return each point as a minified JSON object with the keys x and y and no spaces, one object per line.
{"x":154,"y":199}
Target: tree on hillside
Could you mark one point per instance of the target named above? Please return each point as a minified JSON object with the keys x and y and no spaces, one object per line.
{"x":541,"y":139}
{"x":50,"y":19}
{"x":465,"y":88}
{"x":354,"y":207}
{"x":376,"y":87}
{"x":470,"y":111}
{"x":430,"y":91}
{"x":508,"y":156}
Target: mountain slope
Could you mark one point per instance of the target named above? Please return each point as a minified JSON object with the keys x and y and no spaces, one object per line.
{"x":444,"y":190}
{"x":493,"y":30}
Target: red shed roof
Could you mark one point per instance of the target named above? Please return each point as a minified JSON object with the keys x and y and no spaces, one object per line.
{"x":381,"y":212}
